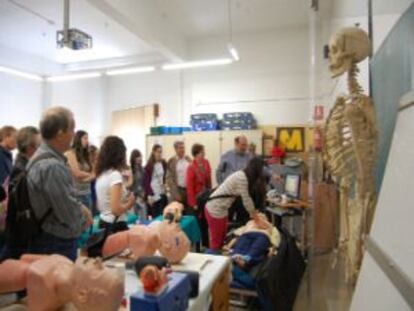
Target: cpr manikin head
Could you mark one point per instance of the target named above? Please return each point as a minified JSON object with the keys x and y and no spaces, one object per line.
{"x":173,"y":211}
{"x":348,"y":46}
{"x":96,"y":287}
{"x":174,"y":243}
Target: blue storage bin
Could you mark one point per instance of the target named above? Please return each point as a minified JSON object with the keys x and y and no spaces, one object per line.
{"x":241,"y":116}
{"x":174,"y":298}
{"x":238,"y":125}
{"x":175,"y":130}
{"x":204,"y":125}
{"x":204,"y":116}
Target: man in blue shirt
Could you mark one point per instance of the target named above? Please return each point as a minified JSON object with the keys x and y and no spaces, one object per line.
{"x":233,"y":160}
{"x":7,"y":144}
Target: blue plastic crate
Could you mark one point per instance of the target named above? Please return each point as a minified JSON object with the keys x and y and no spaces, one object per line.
{"x":175,"y":130}
{"x":242,"y":116}
{"x":159,"y":130}
{"x":175,"y":297}
{"x":204,"y":125}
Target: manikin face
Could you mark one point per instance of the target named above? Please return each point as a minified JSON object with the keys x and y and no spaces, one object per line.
{"x":85,"y":141}
{"x":96,"y":287}
{"x":180,"y":150}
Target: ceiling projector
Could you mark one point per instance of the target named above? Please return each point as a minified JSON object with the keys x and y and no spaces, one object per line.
{"x":74,"y":39}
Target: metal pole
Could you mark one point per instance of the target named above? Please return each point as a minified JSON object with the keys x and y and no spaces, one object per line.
{"x":371,"y":38}
{"x":66,"y":12}
{"x":313,"y":15}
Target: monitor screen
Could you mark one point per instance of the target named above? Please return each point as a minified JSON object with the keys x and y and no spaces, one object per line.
{"x":292,"y":185}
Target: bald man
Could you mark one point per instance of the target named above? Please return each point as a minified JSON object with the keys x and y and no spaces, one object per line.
{"x":233,"y":160}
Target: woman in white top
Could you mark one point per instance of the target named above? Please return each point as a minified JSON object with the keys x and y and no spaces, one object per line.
{"x":245,"y":184}
{"x":112,"y":197}
{"x":154,"y":182}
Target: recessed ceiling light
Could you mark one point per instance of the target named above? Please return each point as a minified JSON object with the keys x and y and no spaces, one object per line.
{"x":21,"y":73}
{"x":200,"y":63}
{"x":74,"y":77}
{"x":130,"y":70}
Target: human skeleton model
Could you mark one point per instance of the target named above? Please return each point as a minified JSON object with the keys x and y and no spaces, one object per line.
{"x":166,"y":236}
{"x":351,"y":146}
{"x":53,"y":282}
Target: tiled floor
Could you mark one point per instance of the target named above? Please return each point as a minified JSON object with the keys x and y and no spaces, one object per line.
{"x":328,"y":290}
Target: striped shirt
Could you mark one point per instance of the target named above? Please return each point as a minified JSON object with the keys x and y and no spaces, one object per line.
{"x":50,"y":185}
{"x":236,"y":184}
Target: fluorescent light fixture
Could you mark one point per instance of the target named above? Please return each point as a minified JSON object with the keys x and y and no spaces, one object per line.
{"x":130,"y":70}
{"x":200,"y":63}
{"x":233,"y":52}
{"x":74,"y":77}
{"x":20,"y":73}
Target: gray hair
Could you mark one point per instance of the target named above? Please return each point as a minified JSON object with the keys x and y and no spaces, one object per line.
{"x":178,"y":143}
{"x":26,"y":137}
{"x":55,"y":119}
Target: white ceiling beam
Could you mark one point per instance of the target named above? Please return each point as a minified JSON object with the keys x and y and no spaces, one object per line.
{"x":144,"y":19}
{"x":132,"y":60}
{"x":28,"y":62}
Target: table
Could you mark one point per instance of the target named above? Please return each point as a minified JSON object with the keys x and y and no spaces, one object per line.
{"x":214,"y":281}
{"x":290,"y":209}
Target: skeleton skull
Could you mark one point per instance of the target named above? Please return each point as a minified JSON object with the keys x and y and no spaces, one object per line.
{"x":349,"y":45}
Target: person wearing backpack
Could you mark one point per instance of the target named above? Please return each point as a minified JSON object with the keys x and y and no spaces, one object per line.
{"x":244,"y":184}
{"x":52,"y":197}
{"x":28,"y":140}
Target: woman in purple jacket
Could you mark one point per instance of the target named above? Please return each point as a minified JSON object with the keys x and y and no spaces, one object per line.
{"x":154,"y":182}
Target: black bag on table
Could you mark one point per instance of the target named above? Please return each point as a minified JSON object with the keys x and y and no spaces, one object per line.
{"x":96,"y":241}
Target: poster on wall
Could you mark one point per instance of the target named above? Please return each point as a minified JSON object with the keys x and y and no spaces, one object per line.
{"x":291,"y":138}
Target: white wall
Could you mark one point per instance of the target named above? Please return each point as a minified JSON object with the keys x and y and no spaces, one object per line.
{"x":86,"y":99}
{"x":20,"y":101}
{"x":271,"y":80}
{"x":143,"y":89}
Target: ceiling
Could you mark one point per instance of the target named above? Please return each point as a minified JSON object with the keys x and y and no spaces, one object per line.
{"x":27,"y":32}
{"x":197,"y":18}
{"x":135,"y":30}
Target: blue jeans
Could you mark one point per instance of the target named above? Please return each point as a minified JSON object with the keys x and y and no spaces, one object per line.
{"x":48,"y":244}
{"x":86,"y":199}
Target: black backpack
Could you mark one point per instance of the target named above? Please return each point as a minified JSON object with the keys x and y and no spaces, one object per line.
{"x":22,"y":224}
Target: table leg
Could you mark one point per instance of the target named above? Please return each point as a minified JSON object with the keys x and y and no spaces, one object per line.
{"x":221,"y":292}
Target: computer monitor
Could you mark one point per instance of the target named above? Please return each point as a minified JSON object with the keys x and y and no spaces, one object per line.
{"x":292,"y":186}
